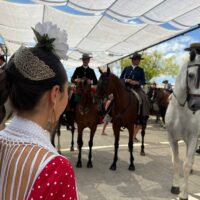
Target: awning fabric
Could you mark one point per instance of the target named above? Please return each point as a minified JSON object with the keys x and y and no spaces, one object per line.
{"x":105,"y":31}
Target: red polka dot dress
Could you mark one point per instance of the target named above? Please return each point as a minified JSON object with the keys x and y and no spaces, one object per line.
{"x":56,"y":181}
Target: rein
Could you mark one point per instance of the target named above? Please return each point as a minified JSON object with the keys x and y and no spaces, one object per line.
{"x":181,"y":104}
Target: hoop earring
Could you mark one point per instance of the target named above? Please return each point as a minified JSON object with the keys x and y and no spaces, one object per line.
{"x":52,"y":124}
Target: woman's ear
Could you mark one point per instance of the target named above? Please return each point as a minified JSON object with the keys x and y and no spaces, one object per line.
{"x":54,"y":93}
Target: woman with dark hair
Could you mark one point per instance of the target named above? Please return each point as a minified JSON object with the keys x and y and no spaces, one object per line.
{"x":35,"y":82}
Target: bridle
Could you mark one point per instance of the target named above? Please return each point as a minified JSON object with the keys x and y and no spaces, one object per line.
{"x":106,"y":81}
{"x":188,"y":91}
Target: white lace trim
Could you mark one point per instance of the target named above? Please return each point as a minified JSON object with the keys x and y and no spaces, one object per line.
{"x":25,"y":131}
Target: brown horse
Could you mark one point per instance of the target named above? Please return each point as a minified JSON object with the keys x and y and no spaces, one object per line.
{"x":86,"y":115}
{"x":160,"y":99}
{"x":124,"y":111}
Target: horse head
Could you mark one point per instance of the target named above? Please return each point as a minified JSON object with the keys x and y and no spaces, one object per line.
{"x":193,"y":80}
{"x":187,"y":86}
{"x":104,"y":83}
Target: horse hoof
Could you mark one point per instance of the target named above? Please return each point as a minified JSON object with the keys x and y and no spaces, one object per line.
{"x":182,"y":198}
{"x":59,"y":152}
{"x":72,"y":149}
{"x":113,"y":167}
{"x":89,"y":165}
{"x":132,"y":167}
{"x":79,"y":165}
{"x":175,"y":190}
{"x":142,"y":153}
{"x":191,"y":171}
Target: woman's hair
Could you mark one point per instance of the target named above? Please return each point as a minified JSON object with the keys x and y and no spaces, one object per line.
{"x":24,"y":93}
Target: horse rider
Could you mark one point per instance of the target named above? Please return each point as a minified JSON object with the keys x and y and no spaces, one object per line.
{"x":194,"y":47}
{"x":167,"y":86}
{"x":151,"y":92}
{"x":83,"y":71}
{"x":134,"y":78}
{"x":2,"y":61}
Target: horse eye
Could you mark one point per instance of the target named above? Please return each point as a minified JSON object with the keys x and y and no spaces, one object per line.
{"x":198,"y":51}
{"x":190,"y":76}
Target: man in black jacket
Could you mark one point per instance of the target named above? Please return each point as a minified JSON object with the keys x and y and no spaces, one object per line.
{"x":84,"y":71}
{"x":134,"y":78}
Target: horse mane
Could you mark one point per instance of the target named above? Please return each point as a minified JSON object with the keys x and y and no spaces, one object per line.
{"x":180,"y":88}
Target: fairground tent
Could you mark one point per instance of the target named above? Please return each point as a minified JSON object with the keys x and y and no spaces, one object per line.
{"x":108,"y":29}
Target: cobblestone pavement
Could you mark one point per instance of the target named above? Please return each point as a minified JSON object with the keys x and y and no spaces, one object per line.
{"x":150,"y":181}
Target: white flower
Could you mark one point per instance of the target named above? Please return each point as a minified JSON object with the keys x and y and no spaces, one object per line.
{"x":60,"y":43}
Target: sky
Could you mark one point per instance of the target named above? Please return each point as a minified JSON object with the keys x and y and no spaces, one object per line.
{"x":174,"y":47}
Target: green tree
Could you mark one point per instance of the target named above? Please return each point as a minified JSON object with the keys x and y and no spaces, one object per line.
{"x":155,"y":64}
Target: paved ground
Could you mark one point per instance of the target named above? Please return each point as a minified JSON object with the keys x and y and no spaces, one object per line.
{"x":152,"y":178}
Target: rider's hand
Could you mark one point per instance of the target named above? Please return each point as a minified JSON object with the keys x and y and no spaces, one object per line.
{"x":134,"y":82}
{"x":77,"y":80}
{"x":89,"y":81}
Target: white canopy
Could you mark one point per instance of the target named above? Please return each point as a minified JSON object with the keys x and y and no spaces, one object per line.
{"x":105,"y":31}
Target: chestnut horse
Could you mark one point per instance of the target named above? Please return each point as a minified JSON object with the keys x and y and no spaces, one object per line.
{"x":86,"y":115}
{"x":124,"y":111}
{"x":159,"y":101}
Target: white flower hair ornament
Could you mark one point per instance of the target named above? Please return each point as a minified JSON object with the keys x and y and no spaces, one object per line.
{"x":50,"y":37}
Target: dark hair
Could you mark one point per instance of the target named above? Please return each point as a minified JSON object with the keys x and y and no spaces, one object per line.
{"x":24,"y":94}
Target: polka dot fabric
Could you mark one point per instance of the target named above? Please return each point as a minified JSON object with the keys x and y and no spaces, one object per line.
{"x":56,"y":181}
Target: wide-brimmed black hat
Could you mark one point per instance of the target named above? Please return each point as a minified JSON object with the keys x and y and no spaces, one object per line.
{"x":165,"y":81}
{"x":2,"y":58}
{"x":136,"y":56}
{"x":86,"y":56}
{"x":193,"y":46}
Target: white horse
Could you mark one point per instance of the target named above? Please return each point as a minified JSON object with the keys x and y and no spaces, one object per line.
{"x":182,"y":121}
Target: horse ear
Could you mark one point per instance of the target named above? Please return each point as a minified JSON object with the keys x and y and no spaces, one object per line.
{"x":100,"y":71}
{"x":108,"y":70}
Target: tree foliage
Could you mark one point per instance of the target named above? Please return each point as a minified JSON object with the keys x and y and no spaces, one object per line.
{"x":154,"y":65}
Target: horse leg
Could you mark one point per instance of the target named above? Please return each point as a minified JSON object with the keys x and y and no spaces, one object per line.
{"x":142,"y":153}
{"x":175,"y":161}
{"x":116,"y":133}
{"x":72,"y":142}
{"x":80,"y":144}
{"x":90,"y":144}
{"x":162,"y":112}
{"x":187,"y":166}
{"x":130,"y":145}
{"x":58,"y":132}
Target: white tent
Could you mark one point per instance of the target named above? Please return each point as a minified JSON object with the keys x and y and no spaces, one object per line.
{"x":105,"y":33}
